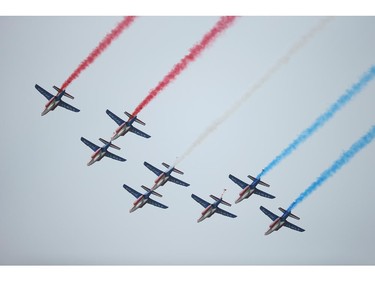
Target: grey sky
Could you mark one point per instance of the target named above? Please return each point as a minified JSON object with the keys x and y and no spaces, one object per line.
{"x":56,"y":210}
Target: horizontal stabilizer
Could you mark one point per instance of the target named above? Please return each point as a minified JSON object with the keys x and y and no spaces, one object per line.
{"x":174,"y":169}
{"x":260,"y":182}
{"x":65,"y":93}
{"x":222,"y":201}
{"x":178,"y":171}
{"x":110,"y":144}
{"x":153,"y":192}
{"x":290,"y":215}
{"x":136,"y":119}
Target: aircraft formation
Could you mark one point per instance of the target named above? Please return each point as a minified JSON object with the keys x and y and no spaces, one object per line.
{"x":164,"y":176}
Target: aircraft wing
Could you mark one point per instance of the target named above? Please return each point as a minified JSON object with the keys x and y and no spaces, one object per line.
{"x":200,"y":201}
{"x":94,"y":147}
{"x":225,"y":213}
{"x":238,"y":181}
{"x":44,"y":92}
{"x":264,"y":194}
{"x":135,"y":193}
{"x":292,"y":226}
{"x":271,"y":215}
{"x":180,"y":182}
{"x":139,"y":132}
{"x":114,"y":156}
{"x":153,"y":169}
{"x":68,"y":106}
{"x":157,"y":204}
{"x":117,"y":119}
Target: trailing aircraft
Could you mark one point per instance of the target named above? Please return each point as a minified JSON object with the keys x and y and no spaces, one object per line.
{"x":100,"y":152}
{"x":248,"y":189}
{"x":165,"y":176}
{"x":212,"y":208}
{"x":54,"y":101}
{"x":278,"y":222}
{"x":142,"y":199}
{"x":126,"y":126}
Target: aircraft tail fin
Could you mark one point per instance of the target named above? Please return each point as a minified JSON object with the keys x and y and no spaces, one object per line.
{"x":110,"y":144}
{"x":260,"y":182}
{"x":290,"y":215}
{"x":174,"y":169}
{"x":65,"y":93}
{"x":136,"y":119}
{"x":222,"y":201}
{"x":153,"y":192}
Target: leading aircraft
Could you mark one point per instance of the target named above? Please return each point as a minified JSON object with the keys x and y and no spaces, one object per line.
{"x":126,"y":126}
{"x":278,"y":222}
{"x":165,"y":176}
{"x":248,"y":189}
{"x":210,"y":209}
{"x":54,"y":101}
{"x":142,"y":199}
{"x":100,"y":152}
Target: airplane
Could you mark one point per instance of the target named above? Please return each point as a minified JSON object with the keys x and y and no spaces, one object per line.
{"x":142,"y":199}
{"x":165,"y":176}
{"x":54,"y":101}
{"x":210,"y":209}
{"x":100,"y":152}
{"x":278,"y":222}
{"x":126,"y":126}
{"x":248,"y":189}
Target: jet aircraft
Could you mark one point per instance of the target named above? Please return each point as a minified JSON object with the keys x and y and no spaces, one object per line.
{"x":210,"y":209}
{"x":54,"y":101}
{"x":248,"y":189}
{"x":100,"y":152}
{"x":142,"y":199}
{"x":278,"y":222}
{"x":126,"y":126}
{"x":165,"y":176}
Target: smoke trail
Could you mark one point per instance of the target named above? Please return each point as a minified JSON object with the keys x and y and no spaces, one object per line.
{"x":322,"y":119}
{"x":126,"y":22}
{"x":337,"y":165}
{"x":208,"y":38}
{"x":283,"y":60}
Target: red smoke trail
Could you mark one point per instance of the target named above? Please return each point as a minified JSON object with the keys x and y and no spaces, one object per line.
{"x":220,"y":26}
{"x":126,"y":22}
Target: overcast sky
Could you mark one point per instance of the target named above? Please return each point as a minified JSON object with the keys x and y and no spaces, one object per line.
{"x":56,"y":210}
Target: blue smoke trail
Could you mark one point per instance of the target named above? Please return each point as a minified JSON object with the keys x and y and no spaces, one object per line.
{"x":322,"y":119}
{"x":344,"y":159}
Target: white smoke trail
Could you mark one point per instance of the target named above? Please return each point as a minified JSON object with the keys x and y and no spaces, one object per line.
{"x":282,"y":61}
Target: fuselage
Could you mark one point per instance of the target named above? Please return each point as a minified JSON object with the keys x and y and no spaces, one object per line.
{"x":139,"y":203}
{"x":208,"y":212}
{"x":162,"y":179}
{"x":97,"y":156}
{"x":53,"y":103}
{"x":123,"y":128}
{"x":245,"y":193}
{"x":277,"y":224}
{"x":121,"y":131}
